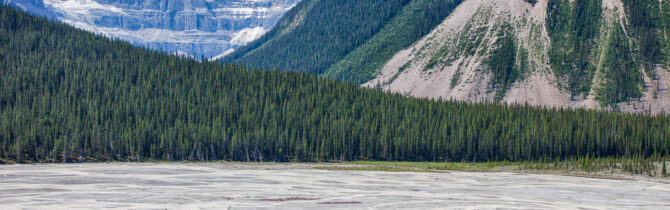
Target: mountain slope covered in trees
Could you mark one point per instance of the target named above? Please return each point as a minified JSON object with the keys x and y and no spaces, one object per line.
{"x":600,"y":54}
{"x":69,"y":95}
{"x":320,"y":36}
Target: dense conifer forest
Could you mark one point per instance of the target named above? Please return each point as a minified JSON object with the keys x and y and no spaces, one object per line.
{"x":647,"y":24}
{"x":413,"y":22}
{"x":67,"y":95}
{"x":349,"y":40}
{"x":573,"y":28}
{"x":316,"y":34}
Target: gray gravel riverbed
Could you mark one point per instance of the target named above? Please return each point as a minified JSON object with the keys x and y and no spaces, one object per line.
{"x":255,"y":186}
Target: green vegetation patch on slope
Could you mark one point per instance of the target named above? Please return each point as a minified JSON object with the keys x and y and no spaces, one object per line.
{"x":415,"y":20}
{"x":326,"y":31}
{"x":67,"y":95}
{"x":468,"y":42}
{"x":622,"y":73}
{"x":646,"y":26}
{"x":503,"y":61}
{"x":573,"y":28}
{"x":465,"y":44}
{"x":400,"y":71}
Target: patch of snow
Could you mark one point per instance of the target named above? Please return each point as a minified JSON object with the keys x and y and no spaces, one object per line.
{"x":81,"y":7}
{"x":182,"y":53}
{"x":227,"y":52}
{"x":247,"y":11}
{"x":247,"y":35}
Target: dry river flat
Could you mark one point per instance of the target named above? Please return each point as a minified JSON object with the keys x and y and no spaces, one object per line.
{"x":299,"y":186}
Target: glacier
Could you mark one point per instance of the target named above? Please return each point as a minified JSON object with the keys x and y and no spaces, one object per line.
{"x":197,"y":28}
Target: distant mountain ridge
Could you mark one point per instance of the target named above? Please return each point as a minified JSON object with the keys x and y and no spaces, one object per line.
{"x":600,"y":54}
{"x":189,"y":27}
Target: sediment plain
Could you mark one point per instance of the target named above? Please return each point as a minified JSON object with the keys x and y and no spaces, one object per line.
{"x":300,"y":186}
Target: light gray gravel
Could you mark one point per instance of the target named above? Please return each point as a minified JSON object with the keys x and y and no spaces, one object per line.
{"x":223,"y":186}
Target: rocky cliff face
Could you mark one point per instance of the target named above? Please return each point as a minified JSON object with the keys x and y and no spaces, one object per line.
{"x":601,"y":54}
{"x":191,"y":27}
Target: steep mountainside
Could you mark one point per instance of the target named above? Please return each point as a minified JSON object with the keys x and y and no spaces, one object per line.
{"x":592,"y":53}
{"x":413,"y":22}
{"x":319,"y":35}
{"x":198,"y":28}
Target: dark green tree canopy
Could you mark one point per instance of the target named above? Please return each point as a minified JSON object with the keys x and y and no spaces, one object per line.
{"x":69,"y":95}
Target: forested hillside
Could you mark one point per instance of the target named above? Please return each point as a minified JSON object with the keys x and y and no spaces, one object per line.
{"x":588,"y":39}
{"x":412,"y":23}
{"x":68,"y":95}
{"x":343,"y":39}
{"x":316,"y":34}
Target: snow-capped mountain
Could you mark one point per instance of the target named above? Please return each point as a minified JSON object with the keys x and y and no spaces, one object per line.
{"x":197,"y":28}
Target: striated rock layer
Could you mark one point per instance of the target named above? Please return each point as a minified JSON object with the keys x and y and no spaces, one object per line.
{"x":189,"y":27}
